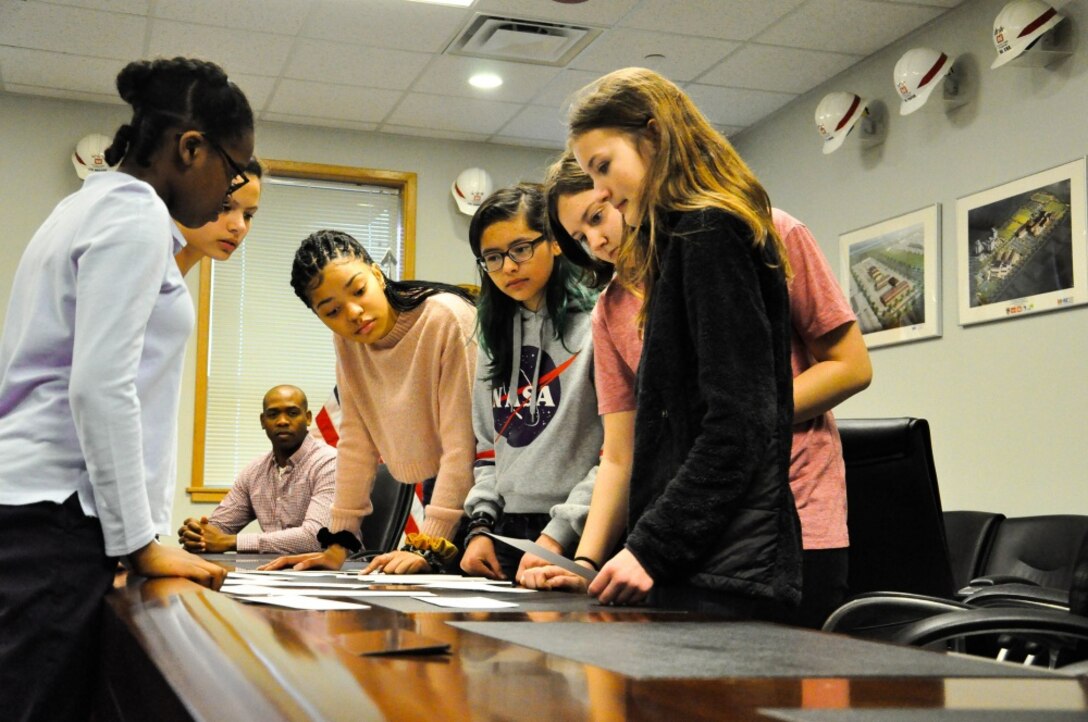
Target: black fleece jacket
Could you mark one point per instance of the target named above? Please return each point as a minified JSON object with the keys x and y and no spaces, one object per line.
{"x":710,"y":499}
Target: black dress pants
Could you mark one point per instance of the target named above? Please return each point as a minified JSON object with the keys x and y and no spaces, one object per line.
{"x":54,"y":573}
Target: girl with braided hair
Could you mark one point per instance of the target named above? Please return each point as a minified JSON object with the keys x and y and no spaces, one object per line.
{"x":90,"y":368}
{"x":405,"y":362}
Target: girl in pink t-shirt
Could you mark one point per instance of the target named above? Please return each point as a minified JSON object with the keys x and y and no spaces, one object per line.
{"x":829,"y":359}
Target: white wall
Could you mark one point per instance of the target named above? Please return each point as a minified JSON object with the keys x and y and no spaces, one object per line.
{"x":1006,"y":400}
{"x":37,"y":136}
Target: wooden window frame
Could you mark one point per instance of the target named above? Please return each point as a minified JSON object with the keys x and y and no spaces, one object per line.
{"x":404,"y":181}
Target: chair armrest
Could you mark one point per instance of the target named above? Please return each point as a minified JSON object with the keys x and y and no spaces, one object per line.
{"x":1020,"y":595}
{"x":979,"y":583}
{"x":992,"y":620}
{"x":878,"y":615}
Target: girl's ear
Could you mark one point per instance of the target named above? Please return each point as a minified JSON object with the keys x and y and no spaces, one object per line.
{"x":556,"y":249}
{"x":187,"y":145}
{"x":378,"y":275}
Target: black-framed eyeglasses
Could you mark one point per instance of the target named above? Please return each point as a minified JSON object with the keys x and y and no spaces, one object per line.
{"x":492,"y":261}
{"x":236,"y":170}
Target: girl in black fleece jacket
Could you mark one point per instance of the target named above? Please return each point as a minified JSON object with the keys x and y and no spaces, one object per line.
{"x":712,"y":523}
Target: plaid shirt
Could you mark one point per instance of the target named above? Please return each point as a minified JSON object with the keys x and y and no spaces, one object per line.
{"x":290,"y":506}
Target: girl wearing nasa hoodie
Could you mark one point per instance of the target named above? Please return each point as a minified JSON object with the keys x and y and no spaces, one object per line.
{"x":538,"y":434}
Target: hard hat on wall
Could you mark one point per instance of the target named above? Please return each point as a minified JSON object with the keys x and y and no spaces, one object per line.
{"x":90,"y":154}
{"x":470,"y":189}
{"x":836,"y":116}
{"x":1018,"y":25}
{"x":917,"y":73}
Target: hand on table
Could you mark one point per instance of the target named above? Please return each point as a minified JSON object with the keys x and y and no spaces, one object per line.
{"x":202,"y":536}
{"x":553,"y":578}
{"x":331,"y":558}
{"x":480,"y":559}
{"x":398,"y":562}
{"x":530,"y":561}
{"x":622,"y":580}
{"x":155,"y":560}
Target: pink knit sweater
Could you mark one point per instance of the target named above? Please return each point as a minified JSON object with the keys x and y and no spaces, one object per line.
{"x":408,"y":400}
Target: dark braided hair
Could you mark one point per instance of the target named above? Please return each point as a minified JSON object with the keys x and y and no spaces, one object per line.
{"x":254,"y":168}
{"x":496,"y":312}
{"x":321,"y":248}
{"x":182,"y":91}
{"x":566,"y":178}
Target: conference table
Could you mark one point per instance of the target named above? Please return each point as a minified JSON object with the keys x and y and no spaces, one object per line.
{"x":175,"y":651}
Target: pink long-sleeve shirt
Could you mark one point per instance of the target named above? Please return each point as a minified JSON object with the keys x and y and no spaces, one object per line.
{"x":407,"y":399}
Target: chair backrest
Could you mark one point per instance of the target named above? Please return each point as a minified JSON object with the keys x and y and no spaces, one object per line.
{"x":970,"y":536}
{"x":392,"y":502}
{"x":897,"y":537}
{"x":1041,"y":549}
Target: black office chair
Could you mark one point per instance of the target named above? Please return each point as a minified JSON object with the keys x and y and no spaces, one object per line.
{"x":897,"y":536}
{"x":392,"y":502}
{"x":1032,"y":563}
{"x":970,"y":536}
{"x":1034,"y":550}
{"x":1054,"y":638}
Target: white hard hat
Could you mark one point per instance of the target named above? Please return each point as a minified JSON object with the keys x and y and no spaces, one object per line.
{"x":836,"y":116}
{"x":1018,"y":25}
{"x":917,"y":73}
{"x":90,"y":154}
{"x":470,"y":189}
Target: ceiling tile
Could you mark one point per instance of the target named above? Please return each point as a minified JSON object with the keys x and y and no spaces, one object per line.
{"x":933,"y":3}
{"x":441,"y":112}
{"x":384,"y":24}
{"x":539,"y":123}
{"x":561,"y":90}
{"x":727,"y":130}
{"x":72,"y":30}
{"x":284,"y":17}
{"x":428,"y":133}
{"x":725,"y":19}
{"x":250,"y":53}
{"x":847,"y":26}
{"x":598,"y":12}
{"x":528,"y":142}
{"x":67,"y":95}
{"x":329,"y":62}
{"x":685,"y":57}
{"x":132,"y":7}
{"x":323,"y":100}
{"x":307,"y":120}
{"x":770,"y":67}
{"x":44,"y":69}
{"x":349,"y":63}
{"x":258,"y":89}
{"x":736,"y":106}
{"x":449,"y":74}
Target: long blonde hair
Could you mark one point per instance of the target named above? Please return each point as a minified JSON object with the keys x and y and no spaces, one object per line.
{"x":692,"y":166}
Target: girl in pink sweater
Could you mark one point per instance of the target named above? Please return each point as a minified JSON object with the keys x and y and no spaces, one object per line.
{"x":406,"y":359}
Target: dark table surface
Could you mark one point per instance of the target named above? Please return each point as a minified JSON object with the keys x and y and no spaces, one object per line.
{"x":174,"y":650}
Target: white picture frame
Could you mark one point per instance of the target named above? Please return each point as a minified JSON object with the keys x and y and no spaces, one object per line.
{"x":1021,"y":248}
{"x":891,"y":274}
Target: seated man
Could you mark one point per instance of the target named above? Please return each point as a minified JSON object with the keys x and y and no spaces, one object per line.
{"x":288,"y":490}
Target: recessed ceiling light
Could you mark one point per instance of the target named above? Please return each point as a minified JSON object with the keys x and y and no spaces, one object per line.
{"x":487,"y":81}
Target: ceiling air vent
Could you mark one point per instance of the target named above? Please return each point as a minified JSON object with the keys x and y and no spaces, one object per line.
{"x":521,"y":41}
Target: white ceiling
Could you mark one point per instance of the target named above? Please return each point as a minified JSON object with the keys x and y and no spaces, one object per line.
{"x":380,"y":65}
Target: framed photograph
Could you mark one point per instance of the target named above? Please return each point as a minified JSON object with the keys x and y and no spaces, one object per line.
{"x":891,"y":272}
{"x":1021,"y":246}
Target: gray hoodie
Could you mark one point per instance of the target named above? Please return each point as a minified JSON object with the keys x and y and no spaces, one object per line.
{"x":537,"y":450}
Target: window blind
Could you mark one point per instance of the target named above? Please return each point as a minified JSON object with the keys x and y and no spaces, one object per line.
{"x":260,"y":334}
